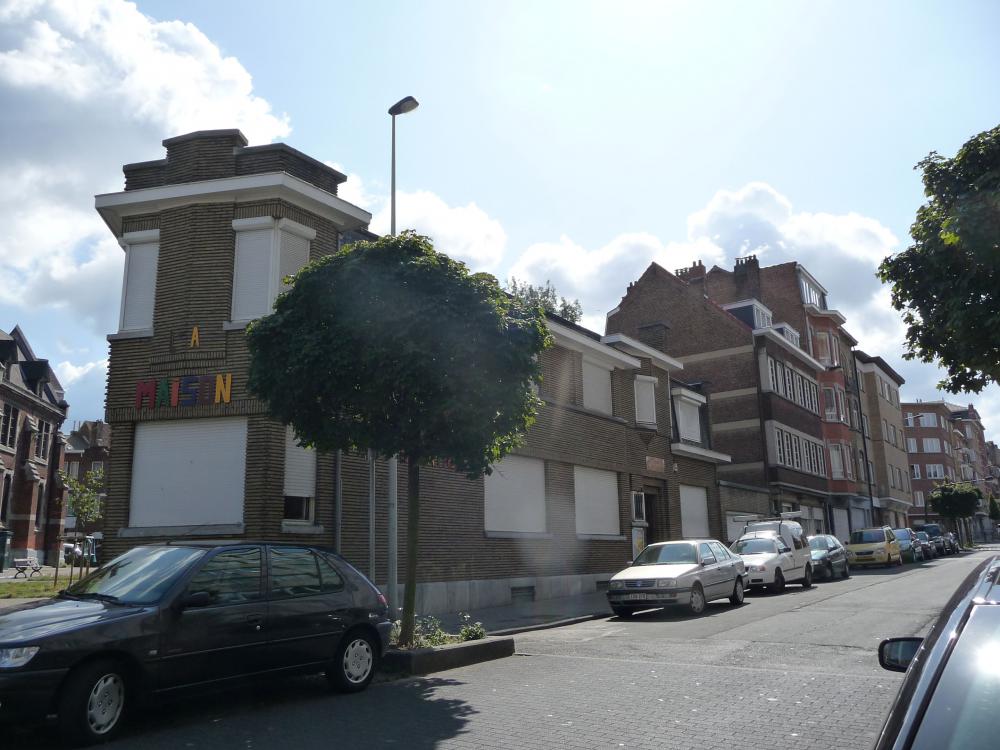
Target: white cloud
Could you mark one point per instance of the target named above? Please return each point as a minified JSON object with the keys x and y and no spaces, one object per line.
{"x":68,"y":373}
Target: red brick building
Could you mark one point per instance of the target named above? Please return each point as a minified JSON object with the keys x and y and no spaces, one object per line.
{"x":88,"y":449}
{"x":32,"y":410}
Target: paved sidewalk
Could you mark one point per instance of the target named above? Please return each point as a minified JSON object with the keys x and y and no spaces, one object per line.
{"x":533,"y":615}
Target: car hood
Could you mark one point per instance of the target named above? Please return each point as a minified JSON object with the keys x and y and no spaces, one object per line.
{"x":668,"y":570}
{"x":759,"y":558}
{"x":36,"y":620}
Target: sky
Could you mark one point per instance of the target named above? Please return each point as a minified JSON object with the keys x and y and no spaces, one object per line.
{"x":567,"y":141}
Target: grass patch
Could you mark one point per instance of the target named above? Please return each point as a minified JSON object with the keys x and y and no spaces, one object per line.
{"x":32,"y":588}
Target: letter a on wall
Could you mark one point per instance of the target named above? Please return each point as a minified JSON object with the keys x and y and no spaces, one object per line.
{"x":195,"y":340}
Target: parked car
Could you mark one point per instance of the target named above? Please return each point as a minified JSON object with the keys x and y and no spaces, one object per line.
{"x":930,"y":550}
{"x":165,"y":618}
{"x":829,"y":558}
{"x":796,"y":565}
{"x":765,"y":557}
{"x":948,"y":698}
{"x":951,"y":543}
{"x":936,"y":535}
{"x":874,"y":547}
{"x":688,"y":573}
{"x":906,"y":537}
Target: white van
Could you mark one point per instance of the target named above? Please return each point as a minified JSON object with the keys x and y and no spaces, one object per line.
{"x":781,"y":556}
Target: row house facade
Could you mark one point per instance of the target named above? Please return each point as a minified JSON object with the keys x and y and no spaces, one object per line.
{"x":88,"y":449}
{"x":930,"y":446}
{"x":620,"y":453}
{"x":764,"y":390}
{"x":32,"y":410}
{"x":799,"y":308}
{"x":887,"y":468}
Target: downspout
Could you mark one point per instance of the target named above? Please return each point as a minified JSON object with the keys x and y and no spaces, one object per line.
{"x":864,"y":438}
{"x":338,"y":500}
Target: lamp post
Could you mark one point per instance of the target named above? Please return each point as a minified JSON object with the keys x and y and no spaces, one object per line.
{"x":407,"y":104}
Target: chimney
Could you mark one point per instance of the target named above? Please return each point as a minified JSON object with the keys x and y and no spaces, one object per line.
{"x":696,"y":271}
{"x":202,"y":155}
{"x":746,"y":274}
{"x":654,"y":335}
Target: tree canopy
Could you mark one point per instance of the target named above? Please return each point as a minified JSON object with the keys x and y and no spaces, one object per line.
{"x":994,"y":509}
{"x":546,"y":298}
{"x":956,"y":500}
{"x":947,"y":283}
{"x":85,"y":497}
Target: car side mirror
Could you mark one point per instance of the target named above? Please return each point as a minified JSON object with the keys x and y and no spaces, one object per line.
{"x":895,"y":654}
{"x":709,"y":561}
{"x":628,"y":563}
{"x":196,"y":599}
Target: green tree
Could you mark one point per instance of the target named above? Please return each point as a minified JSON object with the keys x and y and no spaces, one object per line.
{"x":947,"y":283}
{"x":954,"y":500}
{"x":85,"y":497}
{"x":994,"y":510}
{"x":546,"y":298}
{"x":391,"y":346}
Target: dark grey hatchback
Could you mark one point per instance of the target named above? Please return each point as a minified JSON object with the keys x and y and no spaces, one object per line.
{"x":164,"y":618}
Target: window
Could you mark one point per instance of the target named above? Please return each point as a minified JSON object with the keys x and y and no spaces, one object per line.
{"x":330,"y":577}
{"x":300,"y":480}
{"x":139,"y":292}
{"x":829,"y":405}
{"x":814,"y":397}
{"x":8,"y":426}
{"x":841,"y":406}
{"x":941,"y":419}
{"x":761,"y":317}
{"x":932,"y":445}
{"x":892,"y":435}
{"x":596,"y":498}
{"x":915,"y":471}
{"x":638,"y":506}
{"x":836,"y":461}
{"x":951,"y":473}
{"x":822,"y":347}
{"x":865,"y":428}
{"x":97,"y":466}
{"x":789,"y":384}
{"x":911,"y":445}
{"x":800,"y":396}
{"x":294,"y":572}
{"x":935,"y":471}
{"x":928,"y":419}
{"x":42,"y":440}
{"x":694,"y":512}
{"x":834,"y":349}
{"x":810,"y":294}
{"x":40,"y":508}
{"x":947,"y":447}
{"x":73,"y":469}
{"x":645,"y":400}
{"x":779,"y":447}
{"x":515,"y":496}
{"x":688,"y":419}
{"x":231,"y":577}
{"x":596,"y":387}
{"x":267,"y":251}
{"x":908,"y":419}
{"x":774,"y":368}
{"x":968,"y":432}
{"x":871,"y":472}
{"x":918,"y":498}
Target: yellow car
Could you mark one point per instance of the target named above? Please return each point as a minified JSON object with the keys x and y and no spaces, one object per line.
{"x":874,"y":547}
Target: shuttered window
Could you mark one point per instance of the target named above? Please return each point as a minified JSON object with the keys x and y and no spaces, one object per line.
{"x":515,"y":496}
{"x":294,"y":255}
{"x":645,"y":400}
{"x":300,"y":479}
{"x":252,"y":275}
{"x":140,"y":286}
{"x":596,"y":499}
{"x":596,"y":387}
{"x":694,"y":512}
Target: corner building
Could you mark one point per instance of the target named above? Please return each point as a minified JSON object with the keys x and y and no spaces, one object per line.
{"x":209,"y":232}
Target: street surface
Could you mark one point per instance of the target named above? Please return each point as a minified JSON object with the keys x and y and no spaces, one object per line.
{"x":796,"y":670}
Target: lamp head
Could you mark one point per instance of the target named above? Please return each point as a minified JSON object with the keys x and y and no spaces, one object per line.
{"x":407,"y":104}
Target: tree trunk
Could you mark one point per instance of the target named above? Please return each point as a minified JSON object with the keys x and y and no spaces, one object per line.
{"x":412,"y":541}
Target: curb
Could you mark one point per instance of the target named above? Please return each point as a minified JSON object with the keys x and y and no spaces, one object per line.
{"x":423,"y":661}
{"x":550,"y":624}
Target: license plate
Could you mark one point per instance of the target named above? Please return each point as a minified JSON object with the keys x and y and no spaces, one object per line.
{"x":635,"y":597}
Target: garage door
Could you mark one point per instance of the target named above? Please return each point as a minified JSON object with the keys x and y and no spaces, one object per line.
{"x":188,"y":472}
{"x":694,"y":512}
{"x":859,"y":519}
{"x":842,"y":529}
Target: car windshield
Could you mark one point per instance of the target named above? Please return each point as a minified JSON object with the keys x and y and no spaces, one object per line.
{"x":867,"y":536}
{"x":901,"y":533}
{"x":753,"y":546}
{"x":818,"y":542}
{"x":664,"y":554}
{"x":140,"y":576}
{"x":932,"y":529}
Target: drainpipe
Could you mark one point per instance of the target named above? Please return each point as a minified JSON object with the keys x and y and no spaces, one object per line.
{"x":864,"y":439}
{"x":338,"y":501}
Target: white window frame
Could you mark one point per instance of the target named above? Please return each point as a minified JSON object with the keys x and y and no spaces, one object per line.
{"x":131,"y":242}
{"x":932,"y":445}
{"x":918,"y":498}
{"x":935,"y":471}
{"x":914,"y":471}
{"x":300,"y":477}
{"x":836,"y":450}
{"x":911,"y":445}
{"x":645,"y":390}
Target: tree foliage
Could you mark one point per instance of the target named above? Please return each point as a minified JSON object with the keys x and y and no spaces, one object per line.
{"x":391,"y":346}
{"x":994,"y":509}
{"x":84,"y":497}
{"x":546,"y":298}
{"x":947,"y":283}
{"x":956,"y":500}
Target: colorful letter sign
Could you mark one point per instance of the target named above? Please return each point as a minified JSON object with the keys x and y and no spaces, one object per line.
{"x":186,"y":390}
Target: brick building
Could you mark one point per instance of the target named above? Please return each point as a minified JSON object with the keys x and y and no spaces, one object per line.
{"x":930,"y":439}
{"x":88,"y":448}
{"x":762,"y":387}
{"x":882,"y":419}
{"x":209,"y":232}
{"x":32,"y":410}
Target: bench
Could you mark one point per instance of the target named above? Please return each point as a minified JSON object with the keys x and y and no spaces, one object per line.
{"x":21,"y":565}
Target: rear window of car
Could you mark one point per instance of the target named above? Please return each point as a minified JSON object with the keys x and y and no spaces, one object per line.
{"x":901,"y":533}
{"x":962,"y":713}
{"x":867,"y":536}
{"x":819,"y":542}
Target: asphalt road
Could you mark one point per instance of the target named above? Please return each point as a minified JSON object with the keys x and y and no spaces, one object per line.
{"x":792,"y":670}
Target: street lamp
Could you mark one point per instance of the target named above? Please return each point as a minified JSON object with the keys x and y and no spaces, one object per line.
{"x":407,"y":104}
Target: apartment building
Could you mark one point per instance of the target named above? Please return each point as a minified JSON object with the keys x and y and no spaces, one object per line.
{"x":929,"y":433}
{"x":887,"y":468}
{"x":32,"y":410}
{"x":800,"y":303}
{"x":762,"y":387}
{"x":88,"y":448}
{"x":620,"y":453}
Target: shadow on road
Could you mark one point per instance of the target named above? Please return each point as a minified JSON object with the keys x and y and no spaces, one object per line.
{"x":298,"y":712}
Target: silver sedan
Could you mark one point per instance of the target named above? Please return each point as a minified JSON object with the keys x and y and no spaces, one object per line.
{"x":689,"y":573}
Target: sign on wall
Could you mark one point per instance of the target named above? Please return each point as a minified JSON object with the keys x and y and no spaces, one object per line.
{"x":186,"y":390}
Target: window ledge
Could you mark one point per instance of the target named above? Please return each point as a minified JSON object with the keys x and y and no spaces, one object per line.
{"x":602,"y":537}
{"x":517,"y":534}
{"x":300,"y":527}
{"x":180,"y":532}
{"x":236,"y":325}
{"x":141,"y":333}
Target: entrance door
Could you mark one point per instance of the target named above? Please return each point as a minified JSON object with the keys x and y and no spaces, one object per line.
{"x":694,"y":512}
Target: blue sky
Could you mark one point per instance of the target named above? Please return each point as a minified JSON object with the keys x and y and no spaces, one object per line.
{"x":565,"y":140}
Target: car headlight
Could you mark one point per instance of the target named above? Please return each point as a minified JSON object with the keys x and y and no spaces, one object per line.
{"x":665,"y":583}
{"x":11,"y":658}
{"x":617,"y":584}
{"x":758,"y":568}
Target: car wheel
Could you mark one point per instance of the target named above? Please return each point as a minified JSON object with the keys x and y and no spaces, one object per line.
{"x":697,"y":603}
{"x":623,"y":611}
{"x":779,"y":582}
{"x":92,"y":702}
{"x":738,"y":593}
{"x":807,"y":580}
{"x":354,"y":663}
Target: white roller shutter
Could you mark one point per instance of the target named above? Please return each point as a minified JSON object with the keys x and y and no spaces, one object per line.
{"x":597,"y":504}
{"x":515,"y":495}
{"x":188,"y":472}
{"x":252,"y":275}
{"x":645,"y":400}
{"x":294,"y":255}
{"x":694,"y":512}
{"x":140,"y":286}
{"x":300,"y":468}
{"x":841,"y":524}
{"x":596,"y":387}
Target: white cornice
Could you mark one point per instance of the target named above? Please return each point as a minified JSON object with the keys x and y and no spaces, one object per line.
{"x":638,"y":349}
{"x":591,"y":348}
{"x":702,"y":454}
{"x":113,"y":207}
{"x":834,"y":315}
{"x":770,"y":333}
